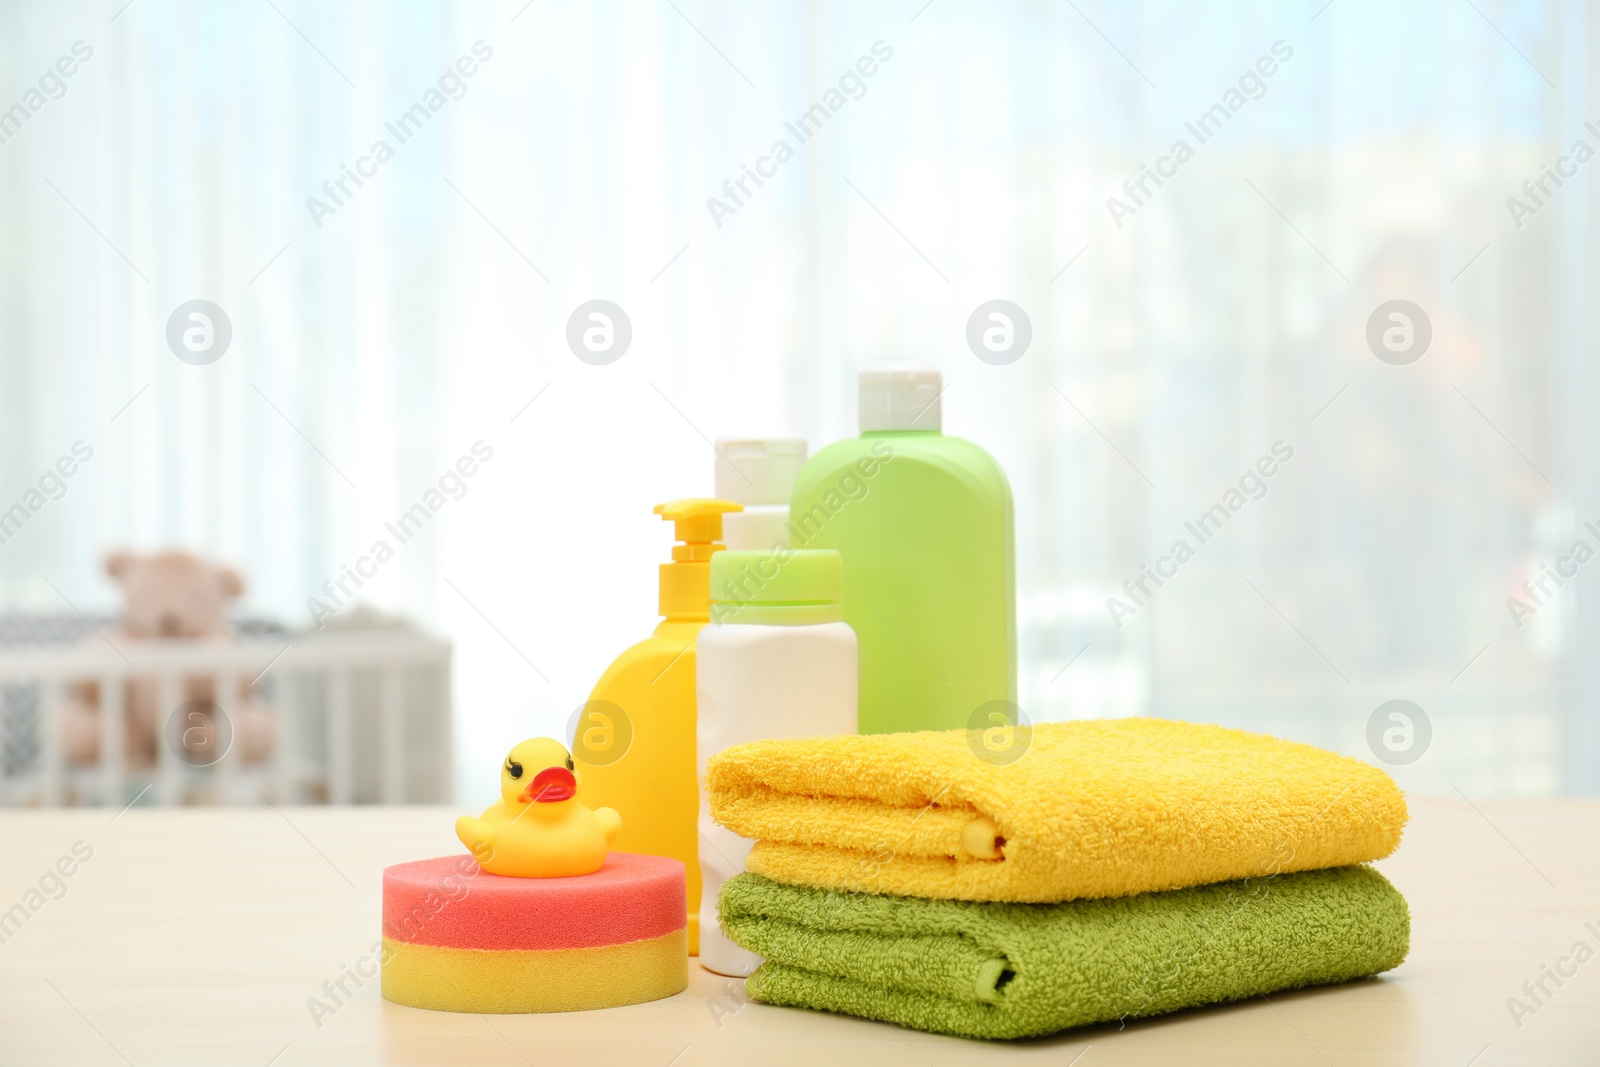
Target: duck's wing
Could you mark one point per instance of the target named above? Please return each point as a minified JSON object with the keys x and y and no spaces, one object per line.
{"x":476,"y":835}
{"x":610,"y":823}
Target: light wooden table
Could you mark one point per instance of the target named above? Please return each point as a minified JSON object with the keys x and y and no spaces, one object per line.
{"x":198,"y":937}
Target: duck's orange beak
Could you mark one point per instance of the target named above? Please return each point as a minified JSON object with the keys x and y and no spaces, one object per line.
{"x":551,"y":784}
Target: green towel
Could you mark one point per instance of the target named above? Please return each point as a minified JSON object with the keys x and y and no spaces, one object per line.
{"x":997,"y":970}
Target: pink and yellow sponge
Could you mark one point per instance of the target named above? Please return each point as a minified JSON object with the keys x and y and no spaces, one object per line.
{"x":598,"y":931}
{"x":479,"y":942}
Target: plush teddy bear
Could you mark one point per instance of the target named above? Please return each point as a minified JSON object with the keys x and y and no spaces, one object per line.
{"x":170,"y":596}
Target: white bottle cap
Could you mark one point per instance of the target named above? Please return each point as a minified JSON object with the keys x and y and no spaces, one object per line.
{"x":759,"y":470}
{"x":900,"y":396}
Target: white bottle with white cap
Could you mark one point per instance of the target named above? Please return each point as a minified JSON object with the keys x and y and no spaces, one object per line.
{"x":758,"y":472}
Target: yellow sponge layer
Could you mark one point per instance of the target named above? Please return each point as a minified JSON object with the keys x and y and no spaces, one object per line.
{"x":505,"y":981}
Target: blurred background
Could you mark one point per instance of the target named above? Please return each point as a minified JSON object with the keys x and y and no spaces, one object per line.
{"x":379,"y":332}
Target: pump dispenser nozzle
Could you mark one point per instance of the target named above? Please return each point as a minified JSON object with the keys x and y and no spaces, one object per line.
{"x":686,"y":581}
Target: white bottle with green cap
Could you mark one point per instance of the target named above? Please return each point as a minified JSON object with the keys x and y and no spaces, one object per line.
{"x":776,"y":660}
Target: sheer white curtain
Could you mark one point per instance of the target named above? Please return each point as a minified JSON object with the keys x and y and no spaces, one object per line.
{"x":377,"y":338}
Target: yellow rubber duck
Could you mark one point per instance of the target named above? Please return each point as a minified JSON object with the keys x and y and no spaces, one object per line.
{"x":537,"y":829}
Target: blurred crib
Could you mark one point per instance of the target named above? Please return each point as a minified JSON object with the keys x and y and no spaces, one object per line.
{"x":362,"y":710}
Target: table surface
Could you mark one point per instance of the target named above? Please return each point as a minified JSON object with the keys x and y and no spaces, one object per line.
{"x":201,"y":936}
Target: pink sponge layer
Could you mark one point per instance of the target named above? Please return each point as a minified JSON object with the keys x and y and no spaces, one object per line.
{"x":450,"y":901}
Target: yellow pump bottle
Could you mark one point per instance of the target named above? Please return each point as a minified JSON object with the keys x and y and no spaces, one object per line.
{"x":635,"y":737}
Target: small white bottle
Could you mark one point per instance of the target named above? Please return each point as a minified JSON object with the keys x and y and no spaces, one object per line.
{"x":777,"y":660}
{"x":758,"y":472}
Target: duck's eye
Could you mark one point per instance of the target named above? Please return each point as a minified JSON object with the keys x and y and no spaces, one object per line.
{"x":515,"y":769}
{"x":570,"y":766}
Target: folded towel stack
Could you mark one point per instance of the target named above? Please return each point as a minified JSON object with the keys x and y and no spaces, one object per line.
{"x":1119,"y":868}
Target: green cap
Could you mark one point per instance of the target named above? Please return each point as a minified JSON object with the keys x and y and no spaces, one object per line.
{"x":788,"y":586}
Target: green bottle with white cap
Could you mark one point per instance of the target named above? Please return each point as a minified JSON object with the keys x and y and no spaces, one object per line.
{"x":923,"y":524}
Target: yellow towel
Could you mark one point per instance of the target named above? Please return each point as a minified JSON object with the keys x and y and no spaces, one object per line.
{"x":1091,"y":809}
